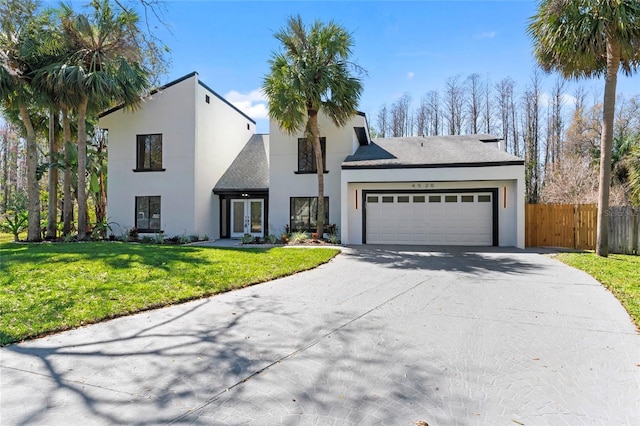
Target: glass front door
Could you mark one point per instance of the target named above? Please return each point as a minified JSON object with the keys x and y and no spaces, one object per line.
{"x":247,"y":217}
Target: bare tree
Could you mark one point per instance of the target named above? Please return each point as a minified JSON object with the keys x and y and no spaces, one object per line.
{"x":487,"y":110}
{"x":555,"y":125}
{"x":383,"y":121}
{"x":474,"y":102}
{"x":454,"y":104}
{"x":400,"y":118}
{"x":505,"y":100}
{"x":434,"y":113}
{"x":531,"y":133}
{"x":421,"y":115}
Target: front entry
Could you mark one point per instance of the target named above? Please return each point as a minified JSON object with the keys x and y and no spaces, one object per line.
{"x":247,"y":217}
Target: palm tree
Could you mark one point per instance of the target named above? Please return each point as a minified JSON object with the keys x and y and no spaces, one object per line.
{"x":20,"y":55}
{"x":591,"y":38}
{"x":312,"y":74}
{"x":103,"y":67}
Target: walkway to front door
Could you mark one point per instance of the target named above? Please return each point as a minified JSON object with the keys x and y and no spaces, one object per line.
{"x":247,"y":217}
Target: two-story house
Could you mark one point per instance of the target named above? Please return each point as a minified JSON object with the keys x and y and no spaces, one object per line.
{"x":166,"y":157}
{"x":213,"y":175}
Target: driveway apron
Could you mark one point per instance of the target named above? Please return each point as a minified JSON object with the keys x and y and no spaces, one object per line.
{"x":379,"y":335}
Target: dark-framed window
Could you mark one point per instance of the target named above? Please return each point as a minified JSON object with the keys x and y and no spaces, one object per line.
{"x":148,"y":214}
{"x":307,"y":158}
{"x":304,"y":213}
{"x":149,"y":152}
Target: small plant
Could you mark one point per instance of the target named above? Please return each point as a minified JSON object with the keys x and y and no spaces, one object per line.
{"x":158,"y":238}
{"x":101,"y":229}
{"x":15,"y":222}
{"x":69,"y":238}
{"x":247,"y":239}
{"x":133,"y":234}
{"x":194,"y":238}
{"x":299,"y":237}
{"x":205,"y":238}
{"x":333,"y":234}
{"x":183,"y":239}
{"x":271,"y":239}
{"x":147,"y":239}
{"x":124,"y":237}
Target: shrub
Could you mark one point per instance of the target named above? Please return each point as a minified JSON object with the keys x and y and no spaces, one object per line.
{"x":271,"y":239}
{"x":15,"y":222}
{"x":299,"y":237}
{"x":247,"y":239}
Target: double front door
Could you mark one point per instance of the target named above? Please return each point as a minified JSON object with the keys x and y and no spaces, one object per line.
{"x":247,"y":217}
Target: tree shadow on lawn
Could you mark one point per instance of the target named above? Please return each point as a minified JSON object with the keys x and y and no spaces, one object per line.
{"x":116,"y":255}
{"x":475,"y":261}
{"x":238,"y":358}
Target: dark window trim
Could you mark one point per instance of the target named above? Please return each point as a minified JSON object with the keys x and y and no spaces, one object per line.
{"x":326,"y":206}
{"x":151,"y":169}
{"x":148,"y":170}
{"x":492,"y":191}
{"x":310,"y":173}
{"x":135,"y":215}
{"x":323,"y":146}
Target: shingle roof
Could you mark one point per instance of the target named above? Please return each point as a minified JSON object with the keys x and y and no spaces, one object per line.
{"x":431,"y":151}
{"x":250,"y":170}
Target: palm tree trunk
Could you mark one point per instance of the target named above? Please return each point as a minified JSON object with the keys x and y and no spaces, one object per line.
{"x":317,"y":150}
{"x":52,"y":213}
{"x":67,"y":209}
{"x":82,"y":170}
{"x":33,"y":190}
{"x":606,"y":144}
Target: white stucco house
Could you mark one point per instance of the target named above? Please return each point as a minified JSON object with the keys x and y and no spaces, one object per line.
{"x":220,"y":178}
{"x":165,"y":158}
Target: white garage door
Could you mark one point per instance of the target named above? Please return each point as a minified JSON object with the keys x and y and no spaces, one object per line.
{"x":430,"y":219}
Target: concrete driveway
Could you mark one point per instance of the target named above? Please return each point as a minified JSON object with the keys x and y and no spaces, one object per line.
{"x":380,"y":335}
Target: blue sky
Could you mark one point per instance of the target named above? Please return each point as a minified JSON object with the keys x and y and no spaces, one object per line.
{"x":408,"y":47}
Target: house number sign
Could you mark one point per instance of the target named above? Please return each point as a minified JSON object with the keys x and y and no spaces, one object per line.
{"x":425,"y":185}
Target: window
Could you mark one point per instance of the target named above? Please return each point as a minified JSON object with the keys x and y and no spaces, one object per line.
{"x":403,"y":198}
{"x":149,"y":152}
{"x":372,"y":199}
{"x":387,"y":199}
{"x":418,"y":199}
{"x":450,"y":198}
{"x":306,"y":156}
{"x":148,"y":214}
{"x":304,"y":213}
{"x":207,"y":99}
{"x":484,"y":198}
{"x":435,"y":198}
{"x":467,"y":198}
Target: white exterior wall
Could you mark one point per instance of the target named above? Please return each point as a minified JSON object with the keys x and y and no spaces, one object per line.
{"x":510,"y":218}
{"x":222,"y":132}
{"x":199,"y":142}
{"x":171,"y":113}
{"x":283,"y":163}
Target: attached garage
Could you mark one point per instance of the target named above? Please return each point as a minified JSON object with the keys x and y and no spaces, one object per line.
{"x":431,"y":218}
{"x":442,"y":190}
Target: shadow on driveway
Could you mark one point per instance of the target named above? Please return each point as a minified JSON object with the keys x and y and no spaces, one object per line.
{"x":470,"y":260}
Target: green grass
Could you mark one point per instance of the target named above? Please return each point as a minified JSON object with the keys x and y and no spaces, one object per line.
{"x":619,"y":273}
{"x":51,"y":287}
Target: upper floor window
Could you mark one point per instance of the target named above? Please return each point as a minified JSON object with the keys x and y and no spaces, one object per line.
{"x":307,"y":158}
{"x":149,"y":152}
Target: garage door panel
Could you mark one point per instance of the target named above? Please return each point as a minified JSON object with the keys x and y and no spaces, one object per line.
{"x":430,"y":219}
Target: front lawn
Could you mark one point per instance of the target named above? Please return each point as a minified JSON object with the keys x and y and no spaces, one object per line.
{"x":619,"y":273}
{"x":51,"y":287}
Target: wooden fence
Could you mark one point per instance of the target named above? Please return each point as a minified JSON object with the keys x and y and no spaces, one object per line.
{"x":561,"y":225}
{"x":574,"y":226}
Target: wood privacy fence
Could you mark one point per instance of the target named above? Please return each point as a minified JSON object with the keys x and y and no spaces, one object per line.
{"x":574,"y":226}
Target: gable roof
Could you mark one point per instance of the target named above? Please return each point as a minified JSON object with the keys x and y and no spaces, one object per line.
{"x":249,"y":172}
{"x":173,"y":83}
{"x":430,"y":152}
